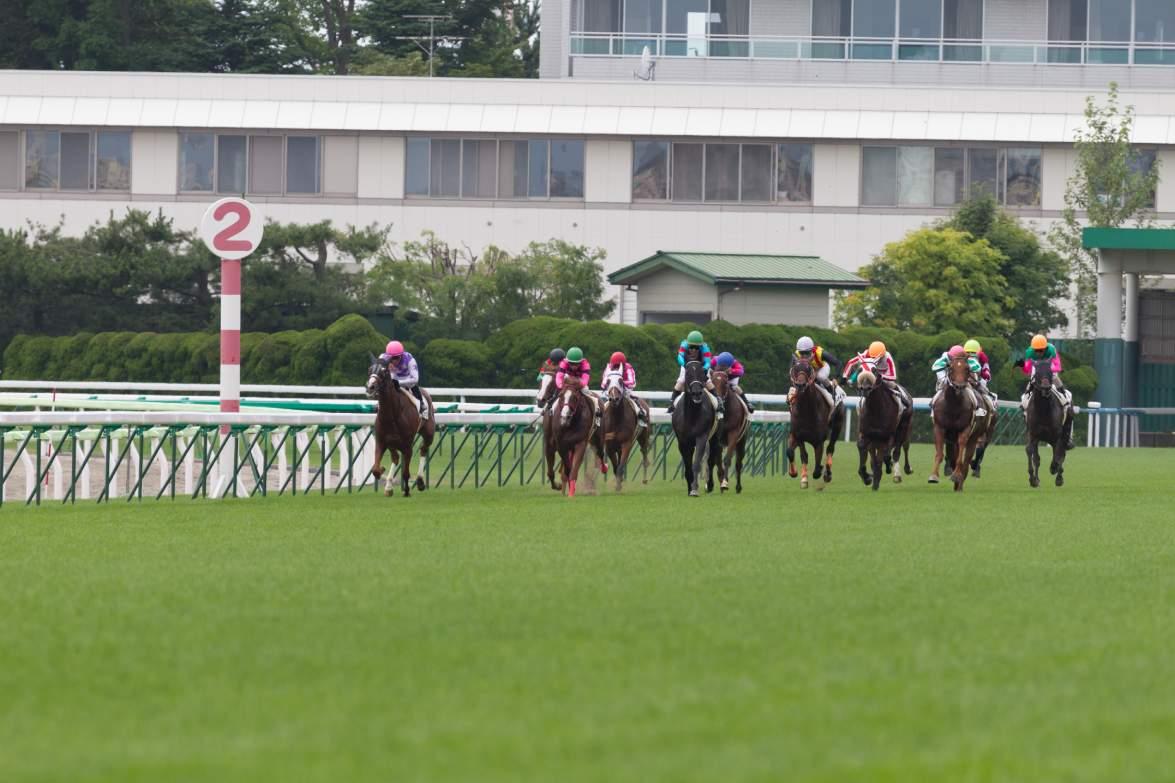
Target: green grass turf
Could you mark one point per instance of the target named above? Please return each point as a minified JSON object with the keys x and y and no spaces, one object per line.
{"x":509,"y":635}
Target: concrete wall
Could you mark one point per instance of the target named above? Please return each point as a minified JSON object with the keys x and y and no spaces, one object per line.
{"x":381,"y":167}
{"x":154,"y":158}
{"x":793,"y":306}
{"x":607,"y":171}
{"x":781,"y":17}
{"x":672,"y":291}
{"x":836,"y":175}
{"x":1016,"y":20}
{"x":556,"y":28}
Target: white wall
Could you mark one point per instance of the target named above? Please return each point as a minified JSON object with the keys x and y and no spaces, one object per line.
{"x":1017,"y":20}
{"x":781,"y":17}
{"x":154,"y":158}
{"x":836,"y":175}
{"x":794,"y":306}
{"x":607,"y":171}
{"x":670,"y":291}
{"x":381,"y":167}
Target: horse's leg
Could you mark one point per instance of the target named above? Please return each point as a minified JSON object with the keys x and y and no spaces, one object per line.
{"x":1059,"y":452}
{"x":425,"y":445}
{"x":377,"y":469}
{"x":643,"y":440}
{"x":577,"y":455}
{"x":791,"y":454}
{"x":1033,"y":480}
{"x":880,"y":452}
{"x":727,"y":457}
{"x":939,"y":445}
{"x":960,"y":461}
{"x":803,"y":464}
{"x":389,"y":482}
{"x":405,"y":467}
{"x":738,"y":465}
{"x":863,"y":452}
{"x":686,"y":449}
{"x":713,"y":456}
{"x":701,"y":454}
{"x":620,"y":465}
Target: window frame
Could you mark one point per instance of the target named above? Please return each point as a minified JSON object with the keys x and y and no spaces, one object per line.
{"x":1001,"y":183}
{"x":91,"y":162}
{"x":320,"y":176}
{"x":776,"y":159}
{"x":498,"y":141}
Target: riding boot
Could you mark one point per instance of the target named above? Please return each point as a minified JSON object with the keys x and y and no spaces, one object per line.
{"x":746,"y":401}
{"x":672,"y":401}
{"x":1068,"y":432}
{"x":420,"y":399}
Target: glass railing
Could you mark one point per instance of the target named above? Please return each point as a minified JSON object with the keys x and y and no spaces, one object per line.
{"x":852,"y":48}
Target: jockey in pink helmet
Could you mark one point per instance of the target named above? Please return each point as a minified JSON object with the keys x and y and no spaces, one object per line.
{"x":405,"y":372}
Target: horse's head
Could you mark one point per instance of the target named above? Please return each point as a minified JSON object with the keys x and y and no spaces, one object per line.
{"x":614,"y":387}
{"x":720,"y":379}
{"x":867,"y":379}
{"x":959,"y":372}
{"x":570,"y":396}
{"x":377,"y":376}
{"x":1042,"y":374}
{"x":800,"y":373}
{"x":695,"y":381}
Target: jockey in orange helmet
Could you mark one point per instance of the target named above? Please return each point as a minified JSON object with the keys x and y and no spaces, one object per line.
{"x":878,"y":358}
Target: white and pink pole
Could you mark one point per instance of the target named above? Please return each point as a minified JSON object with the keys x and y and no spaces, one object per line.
{"x":231,"y":228}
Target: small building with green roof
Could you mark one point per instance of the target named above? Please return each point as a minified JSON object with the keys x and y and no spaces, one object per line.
{"x":675,"y":287}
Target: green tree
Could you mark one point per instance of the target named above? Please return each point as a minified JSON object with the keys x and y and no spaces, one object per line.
{"x":931,"y":281}
{"x":1112,"y":186}
{"x":1037,"y":278}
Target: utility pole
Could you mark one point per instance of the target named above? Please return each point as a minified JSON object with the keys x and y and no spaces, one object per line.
{"x":432,"y":20}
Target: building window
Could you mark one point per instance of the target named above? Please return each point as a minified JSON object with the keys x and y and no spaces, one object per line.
{"x":195,"y":161}
{"x":9,"y":160}
{"x":650,"y":170}
{"x":1142,"y":162}
{"x":75,"y":160}
{"x":794,"y":183}
{"x":722,"y":172}
{"x":481,"y":168}
{"x":945,"y":176}
{"x":268,"y":165}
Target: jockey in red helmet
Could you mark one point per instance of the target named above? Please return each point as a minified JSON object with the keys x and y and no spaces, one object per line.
{"x":620,"y":373}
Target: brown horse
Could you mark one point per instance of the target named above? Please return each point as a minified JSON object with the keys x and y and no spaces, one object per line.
{"x":882,"y":430}
{"x":574,"y":428}
{"x":730,"y":440}
{"x":622,"y":430}
{"x":397,"y":423}
{"x":814,"y":420}
{"x":962,"y":417}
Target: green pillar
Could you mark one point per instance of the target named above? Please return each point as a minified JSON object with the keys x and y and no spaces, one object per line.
{"x":1130,"y":369}
{"x":1109,"y":362}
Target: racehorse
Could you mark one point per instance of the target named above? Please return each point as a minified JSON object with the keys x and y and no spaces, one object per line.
{"x":622,"y":430}
{"x":574,"y":428}
{"x":397,"y":423}
{"x":962,"y":418}
{"x":1045,"y":420}
{"x":694,"y":420}
{"x":814,"y":419}
{"x":883,"y":429}
{"x":730,"y":438}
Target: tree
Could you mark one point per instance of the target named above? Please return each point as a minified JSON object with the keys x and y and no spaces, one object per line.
{"x":1036,"y":278}
{"x":931,"y":281}
{"x":1113,"y":185}
{"x":459,"y":41}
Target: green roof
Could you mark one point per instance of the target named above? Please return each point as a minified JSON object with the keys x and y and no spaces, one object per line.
{"x":718,"y":268}
{"x":1128,"y":238}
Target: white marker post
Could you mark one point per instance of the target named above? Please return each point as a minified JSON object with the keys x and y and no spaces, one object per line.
{"x":231,"y":228}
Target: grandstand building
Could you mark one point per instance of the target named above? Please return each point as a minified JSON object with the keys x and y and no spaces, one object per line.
{"x":815,"y":128}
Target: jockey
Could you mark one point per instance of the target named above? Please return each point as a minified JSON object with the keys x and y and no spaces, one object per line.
{"x":1041,"y":348}
{"x":975,"y":350}
{"x":546,"y":376}
{"x":576,"y":365}
{"x":405,"y":372}
{"x":618,"y":367}
{"x":943,"y":363}
{"x":693,"y":349}
{"x":887,"y":370}
{"x":734,"y":370}
{"x":823,"y":362}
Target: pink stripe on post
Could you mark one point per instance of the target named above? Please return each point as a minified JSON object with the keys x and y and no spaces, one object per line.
{"x":230,"y":406}
{"x":230,"y":346}
{"x":230,"y":277}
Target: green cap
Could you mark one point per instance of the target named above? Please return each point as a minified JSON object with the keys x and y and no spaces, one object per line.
{"x":694,"y":338}
{"x":574,"y":354}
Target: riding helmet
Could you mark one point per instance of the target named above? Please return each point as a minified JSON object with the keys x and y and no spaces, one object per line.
{"x":725,"y":359}
{"x":805,"y":344}
{"x":618,"y":358}
{"x":876,"y":349}
{"x":956,"y":351}
{"x":574,"y":355}
{"x":394,"y":349}
{"x":972,"y":346}
{"x":1039,"y":343}
{"x":558,"y":355}
{"x":694,"y":338}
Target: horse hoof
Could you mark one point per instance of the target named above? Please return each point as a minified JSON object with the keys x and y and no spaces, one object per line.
{"x":420,"y":485}
{"x":932,"y":480}
{"x":897,"y":478}
{"x":792,"y":474}
{"x":828,"y":477}
{"x":1060,"y":480}
{"x":1034,"y":482}
{"x":693,"y":493}
{"x":876,"y":487}
{"x":975,"y":471}
{"x":803,"y":483}
{"x":738,"y":489}
{"x":388,"y":493}
{"x":1053,"y":468}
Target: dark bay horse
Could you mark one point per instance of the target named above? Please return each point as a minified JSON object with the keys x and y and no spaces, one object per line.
{"x":962,"y":419}
{"x":694,"y":419}
{"x":882,"y":430}
{"x":574,"y":429}
{"x":397,"y":423}
{"x":814,"y":420}
{"x":1045,"y":417}
{"x":622,"y":430}
{"x":730,"y":439}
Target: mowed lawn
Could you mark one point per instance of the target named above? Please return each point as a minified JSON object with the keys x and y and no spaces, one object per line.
{"x":513,"y":635}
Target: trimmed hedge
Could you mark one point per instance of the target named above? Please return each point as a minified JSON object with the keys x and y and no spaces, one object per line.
{"x":339,"y":355}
